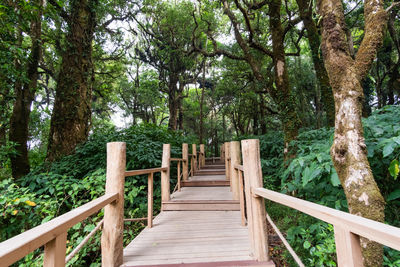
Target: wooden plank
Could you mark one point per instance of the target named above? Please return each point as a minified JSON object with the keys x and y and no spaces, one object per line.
{"x":348,"y":249}
{"x":202,"y":156}
{"x":194,"y":158}
{"x":173,"y":205}
{"x":19,"y":246}
{"x":234,"y":151}
{"x":54,"y":251}
{"x":205,"y":183}
{"x":113,"y":226}
{"x":379,"y":232}
{"x":253,"y":175}
{"x":190,"y":236}
{"x":150,"y":200}
{"x":165,"y":182}
{"x":239,"y":167}
{"x":218,"y":264}
{"x":203,"y":193}
{"x":144,"y":171}
{"x":241,"y":198}
{"x":185,"y":165}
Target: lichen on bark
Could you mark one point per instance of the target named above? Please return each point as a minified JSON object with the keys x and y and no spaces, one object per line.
{"x":348,"y":152}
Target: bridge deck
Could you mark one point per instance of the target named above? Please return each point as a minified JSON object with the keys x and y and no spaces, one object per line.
{"x":208,"y":233}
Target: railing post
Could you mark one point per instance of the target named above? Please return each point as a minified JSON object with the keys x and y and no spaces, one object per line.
{"x":113,"y":229}
{"x":234,"y":151}
{"x":150,"y":200}
{"x":179,"y":176}
{"x":256,"y":216}
{"x":165,"y":183}
{"x":226,"y":156}
{"x":185,"y":164}
{"x":348,"y":248}
{"x":202,"y":158}
{"x":54,"y":252}
{"x":222,"y":153}
{"x":194,"y":152}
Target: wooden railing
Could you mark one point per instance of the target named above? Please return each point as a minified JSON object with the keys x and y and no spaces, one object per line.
{"x":53,"y":234}
{"x":348,"y":227}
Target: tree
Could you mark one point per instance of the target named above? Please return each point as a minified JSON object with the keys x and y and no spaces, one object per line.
{"x":19,"y":125}
{"x":166,"y":32}
{"x":72,"y":104}
{"x":314,"y":41}
{"x":348,"y":152}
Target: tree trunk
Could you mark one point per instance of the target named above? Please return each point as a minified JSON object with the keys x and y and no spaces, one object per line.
{"x":173,"y":102}
{"x":19,"y":123}
{"x":282,"y":94}
{"x":72,"y":106}
{"x":348,"y":152}
{"x":305,"y":8}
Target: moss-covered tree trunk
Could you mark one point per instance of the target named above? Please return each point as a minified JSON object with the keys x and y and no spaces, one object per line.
{"x":314,"y":40}
{"x":24,"y":95}
{"x":282,"y":93}
{"x":349,"y":152}
{"x":72,"y":106}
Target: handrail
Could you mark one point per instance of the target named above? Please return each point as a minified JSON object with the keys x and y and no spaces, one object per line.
{"x":17,"y":247}
{"x":379,"y":232}
{"x":177,"y":159}
{"x":144,"y":171}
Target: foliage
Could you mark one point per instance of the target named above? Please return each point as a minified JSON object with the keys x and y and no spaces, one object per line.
{"x":51,"y":190}
{"x":310,"y":175}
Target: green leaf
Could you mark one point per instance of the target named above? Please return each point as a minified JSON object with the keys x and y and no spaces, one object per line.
{"x":306,"y":245}
{"x":394,"y":195}
{"x":394,"y":168}
{"x":388,"y":149}
{"x":335,"y":179}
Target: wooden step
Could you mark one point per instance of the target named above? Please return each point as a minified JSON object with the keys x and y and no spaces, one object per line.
{"x":209,"y":172}
{"x":200,"y":205}
{"x":204,"y":183}
{"x":213,"y":167}
{"x":216,"y":264}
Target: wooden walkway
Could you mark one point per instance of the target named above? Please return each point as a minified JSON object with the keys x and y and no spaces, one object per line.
{"x":199,"y":226}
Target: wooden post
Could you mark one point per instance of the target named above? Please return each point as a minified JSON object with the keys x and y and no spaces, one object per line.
{"x":222,"y":153}
{"x":226,"y":156}
{"x":179,"y":176}
{"x":165,"y":184}
{"x":241,"y":197}
{"x":234,"y":151}
{"x":202,"y":159}
{"x":256,"y":210}
{"x":150,"y":200}
{"x":185,"y":164}
{"x":54,"y":251}
{"x":194,"y":152}
{"x":113,"y":228}
{"x":348,"y":249}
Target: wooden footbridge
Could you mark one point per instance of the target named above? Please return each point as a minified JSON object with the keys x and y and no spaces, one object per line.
{"x":215,"y":216}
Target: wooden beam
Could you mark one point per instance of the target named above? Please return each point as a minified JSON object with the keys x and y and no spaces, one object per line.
{"x":19,"y":246}
{"x":165,"y":179}
{"x":144,"y":171}
{"x":113,"y":229}
{"x":185,"y":165}
{"x":226,"y":156}
{"x":54,"y":252}
{"x":348,"y":249}
{"x":150,"y":200}
{"x":241,"y":197}
{"x":379,"y":232}
{"x":253,"y":178}
{"x":194,"y":152}
{"x":202,"y":159}
{"x":234,"y":151}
